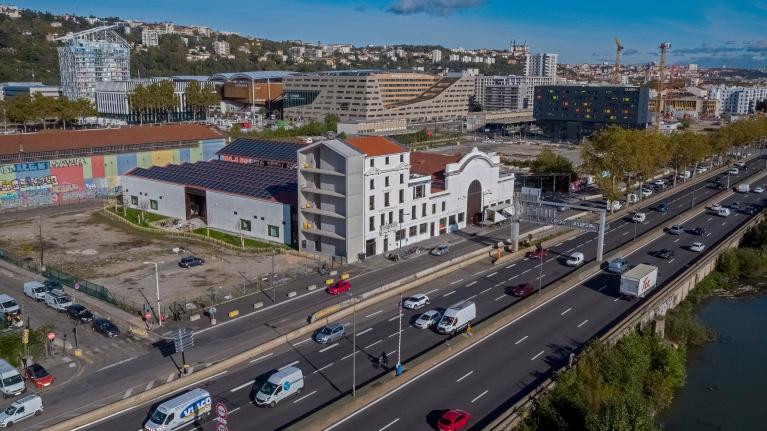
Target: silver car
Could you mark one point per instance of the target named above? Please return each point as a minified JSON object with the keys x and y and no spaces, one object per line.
{"x":427,"y":319}
{"x":329,"y":333}
{"x":440,"y":250}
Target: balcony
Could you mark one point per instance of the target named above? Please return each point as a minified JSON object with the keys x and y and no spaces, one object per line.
{"x":307,"y":189}
{"x":311,"y":228}
{"x":321,"y":212}
{"x":313,"y":170}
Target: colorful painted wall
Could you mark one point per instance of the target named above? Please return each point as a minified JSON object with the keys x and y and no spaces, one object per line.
{"x":74,"y":179}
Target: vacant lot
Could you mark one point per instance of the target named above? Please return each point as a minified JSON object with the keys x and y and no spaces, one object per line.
{"x":86,"y":244}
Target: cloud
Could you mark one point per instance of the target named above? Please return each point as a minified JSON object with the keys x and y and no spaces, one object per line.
{"x":757,"y":46}
{"x":432,"y":7}
{"x":706,"y":49}
{"x":731,"y":42}
{"x":630,"y":52}
{"x":360,"y":8}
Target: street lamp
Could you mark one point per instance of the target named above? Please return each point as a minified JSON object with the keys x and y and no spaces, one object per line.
{"x":157,"y":285}
{"x":354,"y":344}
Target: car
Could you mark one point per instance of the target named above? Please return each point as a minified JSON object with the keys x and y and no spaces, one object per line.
{"x":522,"y":290}
{"x":701,"y":169}
{"x":660,"y":183}
{"x":647,"y":192}
{"x":339,"y":287}
{"x":428,"y":319}
{"x":190,"y":261}
{"x":453,"y":420}
{"x":538,"y":253}
{"x":38,"y":376}
{"x":697,"y":247}
{"x":639,"y":217}
{"x":618,"y":265}
{"x":80,"y":313}
{"x":106,"y":327}
{"x":750,"y":210}
{"x":662,"y":207}
{"x":676,"y":229}
{"x":700,"y":231}
{"x":52,"y":285}
{"x":575,"y":259}
{"x":665,"y":253}
{"x":734,"y":171}
{"x":416,"y":301}
{"x":329,"y":333}
{"x":735,"y":205}
{"x":758,"y":190}
{"x":716,"y":207}
{"x":740,"y":164}
{"x":440,"y":250}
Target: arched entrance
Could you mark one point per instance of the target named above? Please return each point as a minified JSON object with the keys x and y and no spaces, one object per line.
{"x":474,"y":202}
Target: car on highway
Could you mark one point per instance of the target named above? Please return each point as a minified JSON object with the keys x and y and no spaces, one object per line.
{"x":697,"y":247}
{"x":723,"y":212}
{"x":453,"y":420}
{"x":522,"y":290}
{"x":751,"y":210}
{"x":21,"y":409}
{"x":699,"y":231}
{"x":662,"y":207}
{"x":735,"y":205}
{"x":639,"y":217}
{"x":416,"y":301}
{"x":428,"y":319}
{"x":190,"y":262}
{"x":440,"y":250}
{"x":576,"y":258}
{"x":659,"y":182}
{"x":676,"y":229}
{"x":716,"y":207}
{"x":538,"y":253}
{"x":618,"y":265}
{"x":38,"y":375}
{"x":80,"y":313}
{"x":665,"y":253}
{"x":105,"y":327}
{"x":758,"y":190}
{"x":339,"y":287}
{"x":740,"y":164}
{"x":330,"y":333}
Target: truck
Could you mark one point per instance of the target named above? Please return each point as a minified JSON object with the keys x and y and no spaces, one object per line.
{"x":180,"y":411}
{"x":457,"y":317}
{"x":744,"y":188}
{"x":636,"y":282}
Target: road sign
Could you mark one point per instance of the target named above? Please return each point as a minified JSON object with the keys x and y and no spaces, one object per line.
{"x":147,"y":315}
{"x":77,"y":286}
{"x":183,"y":339}
{"x":221,"y":410}
{"x":51,"y":336}
{"x":221,"y":427}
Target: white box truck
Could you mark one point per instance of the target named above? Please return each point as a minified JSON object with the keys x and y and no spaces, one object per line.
{"x":280,"y":385}
{"x":636,"y":282}
{"x":744,"y":188}
{"x":180,"y":411}
{"x":457,"y":317}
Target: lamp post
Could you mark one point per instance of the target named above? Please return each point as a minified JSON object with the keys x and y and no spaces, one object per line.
{"x":157,"y":286}
{"x":354,"y":344}
{"x":399,"y":336}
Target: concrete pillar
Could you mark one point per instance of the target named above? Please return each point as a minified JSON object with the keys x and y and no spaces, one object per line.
{"x":515,"y":236}
{"x":660,"y":326}
{"x":601,"y":236}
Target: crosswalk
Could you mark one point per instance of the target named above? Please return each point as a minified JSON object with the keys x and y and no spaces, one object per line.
{"x":139,"y":388}
{"x":122,"y":346}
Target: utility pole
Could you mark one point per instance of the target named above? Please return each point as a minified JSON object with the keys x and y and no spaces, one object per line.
{"x":42,"y":247}
{"x":354,"y":345}
{"x":540,"y":274}
{"x":399,"y":337}
{"x":157,"y":287}
{"x":271,"y":279}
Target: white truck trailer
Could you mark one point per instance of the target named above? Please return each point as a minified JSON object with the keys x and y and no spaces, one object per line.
{"x":636,"y":282}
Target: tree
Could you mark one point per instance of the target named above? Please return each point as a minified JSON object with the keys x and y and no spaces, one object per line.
{"x":66,"y":111}
{"x":331,"y":122}
{"x":193,"y":94}
{"x":20,"y":111}
{"x":138,"y":100}
{"x":209,"y":97}
{"x":43,"y":108}
{"x":163,"y":97}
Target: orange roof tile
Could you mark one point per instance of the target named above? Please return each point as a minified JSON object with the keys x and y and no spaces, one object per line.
{"x":375,"y":145}
{"x":430,"y":163}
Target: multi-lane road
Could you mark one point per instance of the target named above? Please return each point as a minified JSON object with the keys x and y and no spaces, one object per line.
{"x":532,"y":345}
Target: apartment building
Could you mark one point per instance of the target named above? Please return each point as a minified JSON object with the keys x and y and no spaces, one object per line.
{"x":221,"y":48}
{"x":541,"y":65}
{"x":738,"y":100}
{"x":150,"y":37}
{"x":521,"y":90}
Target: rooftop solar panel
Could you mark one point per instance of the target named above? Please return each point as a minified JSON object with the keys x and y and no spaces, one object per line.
{"x":262,"y":150}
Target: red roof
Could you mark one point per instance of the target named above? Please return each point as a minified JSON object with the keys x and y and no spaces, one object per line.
{"x":375,"y":145}
{"x":53,"y":140}
{"x":430,"y":163}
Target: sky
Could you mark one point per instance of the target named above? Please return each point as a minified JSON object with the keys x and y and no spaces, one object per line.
{"x":710,"y":33}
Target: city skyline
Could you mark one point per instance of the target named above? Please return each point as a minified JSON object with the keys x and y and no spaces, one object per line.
{"x":708,"y":33}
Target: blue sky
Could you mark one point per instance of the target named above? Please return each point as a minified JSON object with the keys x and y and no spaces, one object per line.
{"x":707,"y":32}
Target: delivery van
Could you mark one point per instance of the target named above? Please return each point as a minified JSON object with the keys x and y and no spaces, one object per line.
{"x":457,"y":317}
{"x":575,"y":259}
{"x":11,"y":382}
{"x":23,"y":408}
{"x":35,"y":290}
{"x":744,"y":188}
{"x":180,"y":411}
{"x":280,"y":385}
{"x":57,"y":300}
{"x":8,"y":306}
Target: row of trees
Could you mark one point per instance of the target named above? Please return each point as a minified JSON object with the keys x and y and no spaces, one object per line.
{"x":48,"y":111}
{"x":158,"y":100}
{"x":619,"y":156}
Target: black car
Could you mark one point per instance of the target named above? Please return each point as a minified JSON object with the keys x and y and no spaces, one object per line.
{"x":700,"y":231}
{"x":106,"y":327}
{"x":735,"y":205}
{"x":751,"y":210}
{"x":78,"y":312}
{"x":190,"y":261}
{"x":52,"y":285}
{"x":665,"y":253}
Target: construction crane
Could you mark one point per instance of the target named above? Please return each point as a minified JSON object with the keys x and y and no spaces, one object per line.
{"x":617,"y":70}
{"x":664,"y":47}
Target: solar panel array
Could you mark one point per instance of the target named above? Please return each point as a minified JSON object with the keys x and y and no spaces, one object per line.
{"x":262,"y":182}
{"x":262,"y":150}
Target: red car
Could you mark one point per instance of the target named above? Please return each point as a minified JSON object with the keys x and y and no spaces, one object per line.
{"x":453,"y":420}
{"x":523,"y":290}
{"x":340,"y":287}
{"x":537,"y":254}
{"x":38,"y":375}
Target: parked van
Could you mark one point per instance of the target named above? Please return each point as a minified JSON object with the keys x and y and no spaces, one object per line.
{"x":179,"y":411}
{"x":639,"y":217}
{"x":35,"y":290}
{"x":575,"y":259}
{"x":723,"y":212}
{"x":614,"y":205}
{"x":744,"y":188}
{"x":24,"y":407}
{"x":632,"y":198}
{"x":457,"y":317}
{"x":57,"y":300}
{"x":11,"y":382}
{"x":734,"y":171}
{"x":280,"y":385}
{"x":8,"y":306}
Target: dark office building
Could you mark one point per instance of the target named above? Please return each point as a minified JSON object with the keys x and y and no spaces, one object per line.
{"x":573,"y":112}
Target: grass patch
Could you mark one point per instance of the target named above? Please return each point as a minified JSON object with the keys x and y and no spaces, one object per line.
{"x":234,"y":240}
{"x":136,"y":217}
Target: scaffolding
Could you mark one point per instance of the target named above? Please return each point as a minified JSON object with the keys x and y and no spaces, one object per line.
{"x":90,"y":56}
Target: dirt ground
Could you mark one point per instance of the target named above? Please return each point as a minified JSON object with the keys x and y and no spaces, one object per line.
{"x":91,"y":246}
{"x":519,"y":150}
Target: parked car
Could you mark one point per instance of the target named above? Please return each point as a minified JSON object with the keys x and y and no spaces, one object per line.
{"x":659,"y":182}
{"x":662,"y":207}
{"x":523,"y":290}
{"x":440,"y":250}
{"x":21,"y":409}
{"x":57,"y":300}
{"x":758,"y":190}
{"x":190,"y":261}
{"x":639,"y":217}
{"x":38,"y":376}
{"x":330,"y":333}
{"x":665,"y":253}
{"x":35,"y":290}
{"x":453,"y":420}
{"x":735,"y":205}
{"x":697,"y":246}
{"x":428,"y":319}
{"x":700,"y":231}
{"x":538,"y":253}
{"x":416,"y":301}
{"x":618,"y":265}
{"x":676,"y":229}
{"x":646,"y":192}
{"x":106,"y":327}
{"x":339,"y":287}
{"x":701,"y":169}
{"x":78,"y":312}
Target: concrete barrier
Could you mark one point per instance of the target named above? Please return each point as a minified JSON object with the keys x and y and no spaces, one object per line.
{"x":194,"y":317}
{"x":291,"y":294}
{"x":311,"y":287}
{"x":258,"y":304}
{"x":234,"y":313}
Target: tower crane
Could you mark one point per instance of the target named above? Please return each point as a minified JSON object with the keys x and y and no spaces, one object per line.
{"x":617,"y":70}
{"x":664,"y":47}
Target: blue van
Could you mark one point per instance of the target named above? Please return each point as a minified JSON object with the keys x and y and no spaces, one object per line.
{"x":662,"y":207}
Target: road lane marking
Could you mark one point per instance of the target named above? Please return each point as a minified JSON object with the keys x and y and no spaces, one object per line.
{"x":116,"y":364}
{"x":498,"y":284}
{"x":671,"y":261}
{"x":537,"y":356}
{"x":511,"y":266}
{"x":325,"y":349}
{"x":242,"y":386}
{"x":472,"y":283}
{"x":708,"y":234}
{"x":616,"y":299}
{"x":470,"y":298}
{"x":456,"y":281}
{"x":127,"y":393}
{"x":526,"y":271}
{"x":490,"y":275}
{"x":566,"y":311}
{"x":625,"y":233}
{"x":367,"y":330}
{"x":500,"y":297}
{"x":302,"y":341}
{"x":448,"y":293}
{"x":521,"y":340}
{"x":480,"y":272}
{"x":724,"y":223}
{"x":395,"y":334}
{"x":261,"y":357}
{"x":512,"y":278}
{"x":389,"y":424}
{"x":149,"y":385}
{"x":373,"y":314}
{"x":305,"y":396}
{"x":170,"y":377}
{"x":349,"y":355}
{"x":583,"y":323}
{"x":465,"y":376}
{"x":676,"y":240}
{"x":320,"y":369}
{"x":371,"y":345}
{"x":390,"y":320}
{"x":479,"y":396}
{"x":486,"y":290}
{"x":431,"y":291}
{"x":289,"y":365}
{"x":709,"y":219}
{"x":558,"y":244}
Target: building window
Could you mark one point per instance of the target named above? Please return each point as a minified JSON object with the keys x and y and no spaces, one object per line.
{"x":386,"y":199}
{"x":372,"y":163}
{"x":434,"y":208}
{"x":153,"y":204}
{"x":402,"y":178}
{"x":402,"y":158}
{"x":413,"y":212}
{"x":372,"y":202}
{"x":419,"y":191}
{"x":400,"y":235}
{"x":413,"y":231}
{"x":134,"y":200}
{"x":386,"y":181}
{"x":443,"y":205}
{"x":383,"y":219}
{"x":423,"y":210}
{"x":274,"y":231}
{"x":460,"y":217}
{"x":372,"y":226}
{"x":387,"y":160}
{"x":401,"y":216}
{"x":245,"y":224}
{"x":391,"y":217}
{"x":422,"y":228}
{"x":402,"y":196}
{"x":372,"y":184}
{"x":452,"y":220}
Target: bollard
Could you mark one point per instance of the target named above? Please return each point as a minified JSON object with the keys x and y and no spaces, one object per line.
{"x":234,"y":313}
{"x":258,"y":305}
{"x":212,"y":321}
{"x":334,"y":272}
{"x":291,"y":294}
{"x":311,"y":287}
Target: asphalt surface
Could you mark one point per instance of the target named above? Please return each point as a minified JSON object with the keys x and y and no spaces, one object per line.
{"x":328,"y":368}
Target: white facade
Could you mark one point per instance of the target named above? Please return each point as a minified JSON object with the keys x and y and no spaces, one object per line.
{"x":150,"y":37}
{"x":454,"y":57}
{"x":221,"y":48}
{"x":738,"y":100}
{"x":436,"y":56}
{"x":525,"y":84}
{"x":541,"y":64}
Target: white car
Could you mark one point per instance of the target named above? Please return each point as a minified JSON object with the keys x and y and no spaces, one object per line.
{"x":639,"y":217}
{"x":758,"y":190}
{"x":659,"y":183}
{"x":716,"y":207}
{"x":428,"y":319}
{"x":416,"y":301}
{"x":697,"y":246}
{"x":701,"y":169}
{"x":646,"y":192}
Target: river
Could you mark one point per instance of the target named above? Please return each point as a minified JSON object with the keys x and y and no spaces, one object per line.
{"x":726,"y":385}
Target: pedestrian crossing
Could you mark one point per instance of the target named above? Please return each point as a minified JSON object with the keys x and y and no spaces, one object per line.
{"x":137,"y":389}
{"x":110,"y":348}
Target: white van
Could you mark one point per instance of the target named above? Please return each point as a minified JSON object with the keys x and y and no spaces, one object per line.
{"x":179,"y":411}
{"x":57,"y":300}
{"x":280,"y":385}
{"x":11,"y":383}
{"x":744,"y":188}
{"x":723,"y":212}
{"x":8,"y":305}
{"x":639,"y":217}
{"x":457,"y":317}
{"x":575,"y":259}
{"x":24,"y":407}
{"x":35,"y":290}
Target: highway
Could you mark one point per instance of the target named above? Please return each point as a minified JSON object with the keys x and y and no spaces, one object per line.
{"x":328,"y":368}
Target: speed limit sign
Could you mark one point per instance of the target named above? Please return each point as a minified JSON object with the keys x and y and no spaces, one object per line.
{"x":221,"y":410}
{"x":221,"y":427}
